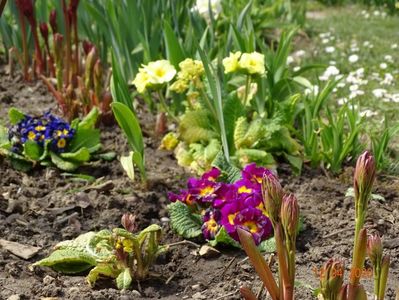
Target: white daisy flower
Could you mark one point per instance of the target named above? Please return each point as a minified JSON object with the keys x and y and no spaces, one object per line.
{"x":353,"y":58}
{"x":329,"y":49}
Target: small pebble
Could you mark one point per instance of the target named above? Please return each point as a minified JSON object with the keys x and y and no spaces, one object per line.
{"x":208,"y":252}
{"x":196,"y":287}
{"x":198,"y":295}
{"x":48,"y":280}
{"x":14,"y":297}
{"x":165,"y":220}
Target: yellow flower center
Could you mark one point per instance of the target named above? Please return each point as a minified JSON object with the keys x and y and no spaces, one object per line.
{"x":61,"y":143}
{"x":231,"y":218}
{"x":251,"y":225}
{"x":244,"y":189}
{"x":212,"y":225}
{"x":206,"y":191}
{"x":160,"y":72}
{"x":31,"y":135}
{"x":40,"y":128}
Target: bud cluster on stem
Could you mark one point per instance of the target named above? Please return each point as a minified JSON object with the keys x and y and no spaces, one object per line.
{"x":62,"y":60}
{"x":364,"y":178}
{"x":283,"y":211}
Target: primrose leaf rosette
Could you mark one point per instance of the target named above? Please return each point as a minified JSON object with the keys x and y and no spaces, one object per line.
{"x":118,"y":254}
{"x":213,"y":207}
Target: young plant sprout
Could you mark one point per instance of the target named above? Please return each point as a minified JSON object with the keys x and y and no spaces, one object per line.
{"x":123,"y":254}
{"x":79,"y":84}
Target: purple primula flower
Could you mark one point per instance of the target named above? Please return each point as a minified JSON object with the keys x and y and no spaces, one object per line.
{"x":211,"y":225}
{"x":184,"y":197}
{"x":225,"y":194}
{"x":253,"y":173}
{"x":245,"y":186}
{"x":255,"y":222}
{"x":211,"y":175}
{"x":229,"y":212}
{"x":203,"y":190}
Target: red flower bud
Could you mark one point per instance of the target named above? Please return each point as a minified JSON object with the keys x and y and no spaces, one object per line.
{"x":331,"y":278}
{"x":73,"y":5}
{"x":272,"y":193}
{"x":44,"y":30}
{"x":129,"y":222}
{"x":374,"y":249}
{"x":26,"y":7}
{"x":87,"y":46}
{"x":290,"y":214}
{"x":364,"y":175}
{"x":53,"y":20}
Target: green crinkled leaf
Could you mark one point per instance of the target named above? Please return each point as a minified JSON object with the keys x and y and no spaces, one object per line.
{"x":183,"y":221}
{"x":68,"y":261}
{"x":15,"y":116}
{"x":21,"y":164}
{"x":80,"y":156}
{"x":63,"y":164}
{"x":212,"y":150}
{"x":268,"y":245}
{"x":90,"y":120}
{"x":272,"y":126}
{"x":108,"y":156}
{"x":241,"y":128}
{"x":261,"y":157}
{"x":222,"y":237}
{"x":104,"y":269}
{"x":80,"y":242}
{"x":229,"y":171}
{"x":124,"y":279}
{"x":256,"y":131}
{"x":32,"y":150}
{"x":195,"y":127}
{"x":88,"y":138}
{"x":4,"y":142}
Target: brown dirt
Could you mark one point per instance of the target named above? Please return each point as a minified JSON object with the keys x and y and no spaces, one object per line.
{"x":34,"y":210}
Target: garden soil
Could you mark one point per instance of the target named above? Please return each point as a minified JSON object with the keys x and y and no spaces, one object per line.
{"x":45,"y":206}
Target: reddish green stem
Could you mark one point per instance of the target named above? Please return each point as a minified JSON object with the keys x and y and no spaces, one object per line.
{"x":24,"y":45}
{"x":68,"y":43}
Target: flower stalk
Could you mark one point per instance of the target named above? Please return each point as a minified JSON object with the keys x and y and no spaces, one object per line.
{"x":363,"y":182}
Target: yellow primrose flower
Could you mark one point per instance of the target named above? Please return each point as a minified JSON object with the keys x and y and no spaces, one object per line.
{"x":230,"y":63}
{"x":169,"y":141}
{"x":159,"y":72}
{"x":179,"y":86}
{"x":252,"y":63}
{"x":141,"y":80}
{"x":190,"y":69}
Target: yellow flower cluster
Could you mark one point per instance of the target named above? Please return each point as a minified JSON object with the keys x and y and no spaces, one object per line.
{"x":249,"y":63}
{"x":125,"y":244}
{"x":190,"y":72}
{"x":154,"y":74}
